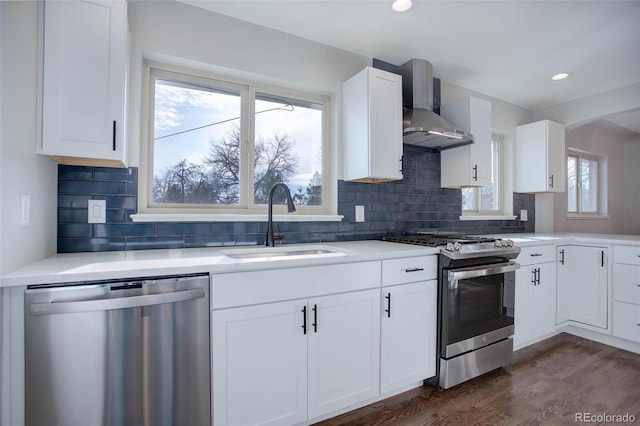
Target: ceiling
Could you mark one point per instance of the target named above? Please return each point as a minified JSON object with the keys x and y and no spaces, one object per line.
{"x":505,"y":49}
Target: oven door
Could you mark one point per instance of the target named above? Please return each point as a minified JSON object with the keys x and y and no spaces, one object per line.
{"x":477,"y":306}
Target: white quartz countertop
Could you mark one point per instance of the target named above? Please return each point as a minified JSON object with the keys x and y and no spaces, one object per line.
{"x":78,"y":267}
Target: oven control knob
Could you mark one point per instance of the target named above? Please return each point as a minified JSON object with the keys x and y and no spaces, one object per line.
{"x":508,"y":243}
{"x":497,"y":243}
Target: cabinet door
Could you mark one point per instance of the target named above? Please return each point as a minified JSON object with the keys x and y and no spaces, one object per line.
{"x":344,"y":357}
{"x":372,"y":126}
{"x":84,"y":79}
{"x":544,"y":300}
{"x":540,"y":157}
{"x":582,"y":284}
{"x":259,"y":356}
{"x":556,"y":157}
{"x":468,"y":165}
{"x":385,"y":121}
{"x":408,"y":334}
{"x":564,"y":286}
{"x":523,"y":305}
{"x":626,"y":321}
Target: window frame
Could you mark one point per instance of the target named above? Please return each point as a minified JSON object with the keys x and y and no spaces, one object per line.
{"x":601,"y":195}
{"x":246,"y":210}
{"x":478,"y":213}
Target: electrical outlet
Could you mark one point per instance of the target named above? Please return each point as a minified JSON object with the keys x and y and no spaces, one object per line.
{"x":524,"y":215}
{"x":359,"y":213}
{"x":97,"y":211}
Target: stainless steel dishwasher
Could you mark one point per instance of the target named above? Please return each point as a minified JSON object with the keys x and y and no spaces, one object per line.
{"x":118,"y":353}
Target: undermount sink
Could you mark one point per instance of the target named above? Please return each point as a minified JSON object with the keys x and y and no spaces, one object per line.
{"x":283,"y":253}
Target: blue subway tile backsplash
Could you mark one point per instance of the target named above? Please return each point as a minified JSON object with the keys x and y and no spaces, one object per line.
{"x":391,"y":208}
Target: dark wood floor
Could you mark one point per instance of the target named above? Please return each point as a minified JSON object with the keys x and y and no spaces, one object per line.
{"x":547,"y":383}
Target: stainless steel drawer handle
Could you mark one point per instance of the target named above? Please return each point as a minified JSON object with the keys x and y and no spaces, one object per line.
{"x":119,"y":303}
{"x":414,"y":269}
{"x":536,"y":254}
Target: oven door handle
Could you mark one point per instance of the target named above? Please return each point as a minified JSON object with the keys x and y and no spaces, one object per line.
{"x":481,"y":271}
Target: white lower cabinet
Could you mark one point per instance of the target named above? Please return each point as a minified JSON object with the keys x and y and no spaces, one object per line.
{"x":408,"y":334}
{"x":583,"y":285}
{"x":259,"y":356}
{"x":626,"y":292}
{"x":286,"y":362}
{"x":344,"y":336}
{"x":535,"y":298}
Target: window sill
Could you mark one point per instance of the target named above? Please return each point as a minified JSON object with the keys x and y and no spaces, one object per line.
{"x":200,"y":217}
{"x":487,"y":217}
{"x":586,"y":216}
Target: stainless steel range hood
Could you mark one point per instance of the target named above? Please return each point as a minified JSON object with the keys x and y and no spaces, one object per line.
{"x":421,"y":126}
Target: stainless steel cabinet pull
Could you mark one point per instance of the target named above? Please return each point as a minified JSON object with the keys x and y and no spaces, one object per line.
{"x":388,"y":310}
{"x":315,"y":318}
{"x":475,"y":172}
{"x":414,"y":269}
{"x":533,"y":276}
{"x":538,"y":276}
{"x":401,"y":163}
{"x":535,"y":254}
{"x":110,"y":304}
{"x":562,"y":257}
{"x":551,"y":181}
{"x":602,"y":258}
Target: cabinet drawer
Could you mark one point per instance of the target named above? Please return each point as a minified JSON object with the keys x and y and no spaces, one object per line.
{"x":408,"y":270}
{"x":626,"y":283}
{"x":626,"y":321}
{"x":537,"y":254}
{"x":626,"y":254}
{"x":275,"y":285}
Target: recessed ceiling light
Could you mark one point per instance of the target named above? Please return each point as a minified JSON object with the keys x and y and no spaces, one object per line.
{"x":401,"y":5}
{"x":560,"y":76}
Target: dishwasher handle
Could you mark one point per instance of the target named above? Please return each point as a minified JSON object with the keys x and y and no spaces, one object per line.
{"x":119,"y":303}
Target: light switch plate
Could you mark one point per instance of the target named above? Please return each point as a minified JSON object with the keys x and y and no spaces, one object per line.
{"x":524,"y":215}
{"x":25,"y":209}
{"x":97,"y":211}
{"x":359,"y":213}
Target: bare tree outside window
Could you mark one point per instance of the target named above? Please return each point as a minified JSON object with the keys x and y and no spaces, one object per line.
{"x":198,"y":145}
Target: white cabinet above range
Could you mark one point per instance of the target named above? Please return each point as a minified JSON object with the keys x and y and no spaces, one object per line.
{"x":468,"y":165}
{"x":83,"y":84}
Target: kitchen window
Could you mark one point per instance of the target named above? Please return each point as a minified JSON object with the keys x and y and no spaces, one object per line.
{"x":584,"y":176}
{"x":487,"y":200}
{"x":216,"y":145}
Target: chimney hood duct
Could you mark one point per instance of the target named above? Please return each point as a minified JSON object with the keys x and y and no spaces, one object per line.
{"x":421,"y":126}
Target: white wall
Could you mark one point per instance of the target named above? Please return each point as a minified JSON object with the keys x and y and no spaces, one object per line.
{"x":180,"y":34}
{"x":22,"y":171}
{"x":631,"y":191}
{"x":611,"y":141}
{"x":573,"y":115}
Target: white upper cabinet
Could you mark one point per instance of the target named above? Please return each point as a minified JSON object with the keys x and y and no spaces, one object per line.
{"x":540,"y":157}
{"x":468,"y":165}
{"x":372,"y":126}
{"x":84,"y":80}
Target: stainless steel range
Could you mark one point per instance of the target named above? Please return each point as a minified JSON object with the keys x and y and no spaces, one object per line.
{"x":476,"y":290}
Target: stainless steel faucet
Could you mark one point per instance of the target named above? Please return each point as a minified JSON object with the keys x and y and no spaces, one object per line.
{"x":270,"y":242}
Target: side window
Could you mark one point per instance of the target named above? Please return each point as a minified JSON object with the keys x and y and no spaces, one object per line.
{"x":583,"y":186}
{"x":487,"y":199}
